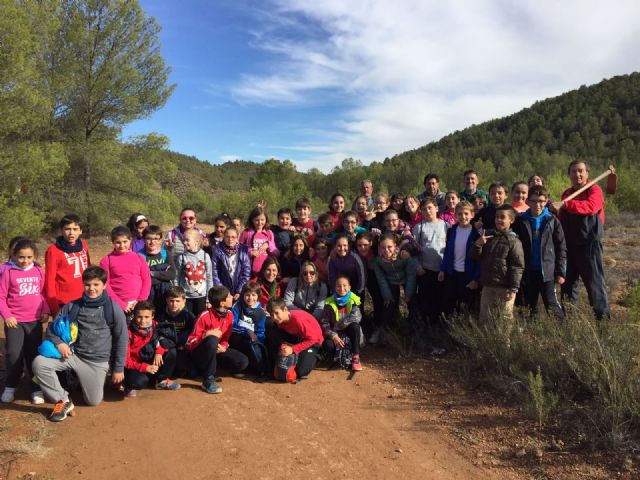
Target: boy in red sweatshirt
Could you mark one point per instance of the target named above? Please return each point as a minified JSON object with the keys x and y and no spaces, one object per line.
{"x":65,"y":262}
{"x":146,"y":358}
{"x":297,"y":328}
{"x":209,"y":340}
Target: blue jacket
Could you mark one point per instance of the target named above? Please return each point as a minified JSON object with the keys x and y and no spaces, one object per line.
{"x":255,"y":316}
{"x":66,"y":330}
{"x":220,"y":269}
{"x":471,"y":267}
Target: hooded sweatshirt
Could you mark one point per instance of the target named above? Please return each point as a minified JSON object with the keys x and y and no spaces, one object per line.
{"x":21,"y":293}
{"x":128,"y":278}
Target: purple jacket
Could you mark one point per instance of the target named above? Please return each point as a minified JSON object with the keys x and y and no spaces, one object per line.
{"x":220,"y":269}
{"x":350,"y":266}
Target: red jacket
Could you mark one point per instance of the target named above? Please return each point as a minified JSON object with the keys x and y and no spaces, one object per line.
{"x":589,"y":202}
{"x":304,"y":326}
{"x":264,"y":293}
{"x":63,"y":275}
{"x":137,"y":341}
{"x":209,"y":320}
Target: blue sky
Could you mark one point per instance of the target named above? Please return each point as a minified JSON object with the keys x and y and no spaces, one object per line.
{"x":316,"y":82}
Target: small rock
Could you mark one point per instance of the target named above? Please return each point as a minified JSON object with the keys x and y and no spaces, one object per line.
{"x":495,"y":462}
{"x":479,"y":454}
{"x":520,"y":452}
{"x":398,"y":450}
{"x":538,"y":452}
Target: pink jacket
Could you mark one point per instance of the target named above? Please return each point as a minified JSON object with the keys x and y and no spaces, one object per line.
{"x":254,"y":241}
{"x":21,"y":294}
{"x":128,"y":277}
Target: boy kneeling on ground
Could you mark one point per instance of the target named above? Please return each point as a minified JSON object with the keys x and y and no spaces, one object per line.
{"x":81,"y":339}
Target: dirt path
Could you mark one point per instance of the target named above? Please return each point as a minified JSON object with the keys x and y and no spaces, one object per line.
{"x":326,"y":427}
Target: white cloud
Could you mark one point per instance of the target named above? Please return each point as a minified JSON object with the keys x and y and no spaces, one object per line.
{"x":229,"y":158}
{"x":413,"y":71}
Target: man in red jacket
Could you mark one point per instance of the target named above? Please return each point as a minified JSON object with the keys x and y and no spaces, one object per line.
{"x":582,"y":220}
{"x":299,"y":329}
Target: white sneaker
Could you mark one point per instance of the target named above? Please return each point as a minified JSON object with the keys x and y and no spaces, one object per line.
{"x":375,"y":337}
{"x":37,"y":397}
{"x":9,"y":395}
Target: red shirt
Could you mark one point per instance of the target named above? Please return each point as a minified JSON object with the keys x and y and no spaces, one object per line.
{"x":304,"y":326}
{"x":209,"y":320}
{"x":307,"y":229}
{"x":63,"y":275}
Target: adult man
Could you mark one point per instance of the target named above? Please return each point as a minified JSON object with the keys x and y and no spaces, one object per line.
{"x":366,"y":189}
{"x":471,"y":182}
{"x":582,"y":220}
{"x":431,"y":184}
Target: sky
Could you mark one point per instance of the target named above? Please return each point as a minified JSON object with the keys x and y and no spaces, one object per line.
{"x":316,"y":82}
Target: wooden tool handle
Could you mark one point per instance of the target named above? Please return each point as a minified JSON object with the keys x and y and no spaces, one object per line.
{"x":590,"y":184}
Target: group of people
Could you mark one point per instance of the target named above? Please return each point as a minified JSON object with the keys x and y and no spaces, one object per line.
{"x":273,"y":300}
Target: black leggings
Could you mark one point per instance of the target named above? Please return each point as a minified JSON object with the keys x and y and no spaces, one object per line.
{"x":353,"y":332}
{"x":197,"y":305}
{"x":307,"y":359}
{"x":206,"y":359}
{"x":21,"y":345}
{"x":137,"y":380}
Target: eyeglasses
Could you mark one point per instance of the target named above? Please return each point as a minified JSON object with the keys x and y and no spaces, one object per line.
{"x":539,"y":202}
{"x":188,"y":218}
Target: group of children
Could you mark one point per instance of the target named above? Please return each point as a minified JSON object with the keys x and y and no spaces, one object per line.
{"x":272,"y":300}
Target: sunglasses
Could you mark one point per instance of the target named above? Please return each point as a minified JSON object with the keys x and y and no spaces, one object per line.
{"x":309,"y":273}
{"x":188,"y":218}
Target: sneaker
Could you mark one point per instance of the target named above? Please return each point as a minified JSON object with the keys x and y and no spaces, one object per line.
{"x":238,"y":375}
{"x":375,"y":337}
{"x":167,"y":385}
{"x":37,"y":397}
{"x":356,"y":366}
{"x":9,"y":395}
{"x":61,"y":410}
{"x":210,"y":386}
{"x":130,"y":392}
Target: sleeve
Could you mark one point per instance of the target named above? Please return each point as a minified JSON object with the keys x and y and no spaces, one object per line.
{"x":591,"y":205}
{"x":260,"y":327}
{"x":273,"y":250}
{"x":145,"y":276}
{"x":195,"y":337}
{"x":385,"y":290}
{"x":131,"y":363}
{"x":4,"y":291}
{"x":120,"y":336}
{"x":325,"y":321}
{"x":235,"y":311}
{"x":307,"y":339}
{"x":515,"y":265}
{"x":188,"y":328}
{"x":290,"y":292}
{"x":356,"y":315}
{"x":50,"y":286}
{"x":208,"y":267}
{"x":319,"y":307}
{"x":244,"y":265}
{"x":362,"y":273}
{"x":560,"y":246}
{"x":215,"y":277}
{"x":476,"y":251}
{"x":226,"y":333}
{"x":410,"y":281}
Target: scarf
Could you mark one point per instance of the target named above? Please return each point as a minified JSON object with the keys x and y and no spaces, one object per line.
{"x":95,"y":302}
{"x":342,"y":301}
{"x":230,"y":251}
{"x":24,"y":269}
{"x":66,"y":247}
{"x":271,"y":286}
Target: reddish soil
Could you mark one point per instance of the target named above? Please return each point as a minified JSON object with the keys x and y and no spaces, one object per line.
{"x":409,"y":419}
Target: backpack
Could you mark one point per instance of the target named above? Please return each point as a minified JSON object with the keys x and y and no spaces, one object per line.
{"x":285,"y":369}
{"x":344,"y":356}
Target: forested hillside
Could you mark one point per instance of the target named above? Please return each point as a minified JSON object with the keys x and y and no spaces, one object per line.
{"x":73,"y":73}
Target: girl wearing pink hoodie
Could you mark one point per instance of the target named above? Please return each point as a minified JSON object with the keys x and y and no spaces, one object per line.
{"x":128,"y":276}
{"x":23,"y":308}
